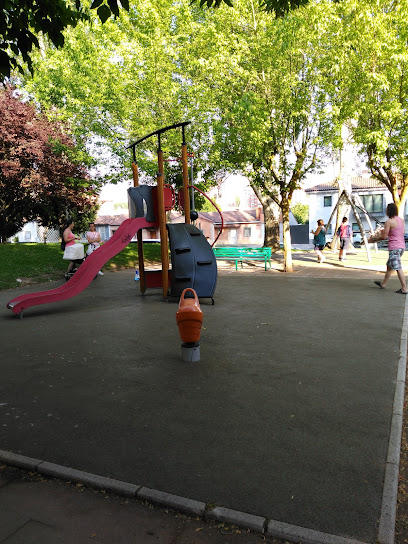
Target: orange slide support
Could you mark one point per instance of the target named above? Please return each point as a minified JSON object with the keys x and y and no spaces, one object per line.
{"x":86,"y":272}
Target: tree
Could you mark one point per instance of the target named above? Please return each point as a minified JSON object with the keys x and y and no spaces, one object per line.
{"x":21,"y":21}
{"x":271,"y":118}
{"x":252,"y":86}
{"x":279,"y":7}
{"x":116,"y":82}
{"x":301,"y":213}
{"x":370,"y":87}
{"x":42,"y":175}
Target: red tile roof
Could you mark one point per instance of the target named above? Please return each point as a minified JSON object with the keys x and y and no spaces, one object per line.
{"x":114,"y":220}
{"x":356,"y":184}
{"x":230,"y":217}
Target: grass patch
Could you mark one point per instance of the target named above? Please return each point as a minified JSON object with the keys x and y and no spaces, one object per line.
{"x":128,"y":257}
{"x":25,"y":264}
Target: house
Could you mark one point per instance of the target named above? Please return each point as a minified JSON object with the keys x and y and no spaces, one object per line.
{"x":374,"y":195}
{"x":241,"y":228}
{"x":107,"y":225}
{"x":33,"y":232}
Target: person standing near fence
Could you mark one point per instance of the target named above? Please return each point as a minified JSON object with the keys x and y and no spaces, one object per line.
{"x":94,"y":239}
{"x":319,"y":240}
{"x":345,"y":232}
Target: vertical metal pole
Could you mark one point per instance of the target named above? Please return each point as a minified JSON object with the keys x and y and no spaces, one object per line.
{"x":184,"y":161}
{"x":162,"y":221}
{"x":142,"y":283}
{"x":192,"y":183}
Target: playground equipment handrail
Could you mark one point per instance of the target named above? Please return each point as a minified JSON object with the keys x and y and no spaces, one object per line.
{"x":158,"y":132}
{"x":215,"y":206}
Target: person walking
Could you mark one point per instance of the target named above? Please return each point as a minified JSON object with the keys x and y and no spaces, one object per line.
{"x":394,"y":228}
{"x":319,"y":240}
{"x":345,"y":232}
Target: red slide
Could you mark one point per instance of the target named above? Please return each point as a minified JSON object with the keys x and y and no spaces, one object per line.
{"x":86,"y":272}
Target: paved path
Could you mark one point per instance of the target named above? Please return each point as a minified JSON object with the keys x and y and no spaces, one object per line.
{"x":287,"y":415}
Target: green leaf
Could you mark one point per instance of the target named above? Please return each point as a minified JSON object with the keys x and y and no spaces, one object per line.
{"x":96,"y":3}
{"x":103,"y":13}
{"x":114,"y":7}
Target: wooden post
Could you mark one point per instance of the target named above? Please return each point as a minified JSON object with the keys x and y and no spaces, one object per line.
{"x":186,"y":192}
{"x":334,"y":235}
{"x":360,"y":225}
{"x":358,"y":202}
{"x":162,"y":222}
{"x":135,"y":172}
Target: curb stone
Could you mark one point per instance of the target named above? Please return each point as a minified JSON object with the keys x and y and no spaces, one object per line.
{"x":19,"y":461}
{"x":278,"y":529}
{"x":183,"y":504}
{"x":241,"y":519}
{"x":100,"y":482}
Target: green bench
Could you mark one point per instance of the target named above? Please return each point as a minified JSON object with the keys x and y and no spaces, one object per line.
{"x":241,"y":254}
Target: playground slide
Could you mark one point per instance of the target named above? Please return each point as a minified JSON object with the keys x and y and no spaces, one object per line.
{"x":86,"y":272}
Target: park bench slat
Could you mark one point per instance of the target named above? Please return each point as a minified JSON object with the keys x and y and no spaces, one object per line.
{"x":241,"y":254}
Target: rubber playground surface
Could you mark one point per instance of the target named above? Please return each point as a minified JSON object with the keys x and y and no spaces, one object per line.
{"x":287,"y":415}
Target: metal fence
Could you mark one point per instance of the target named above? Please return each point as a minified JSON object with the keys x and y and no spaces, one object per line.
{"x":45,"y":234}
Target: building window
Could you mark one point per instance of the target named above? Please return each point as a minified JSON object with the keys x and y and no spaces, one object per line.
{"x":329,"y":228}
{"x":27,"y":236}
{"x":247,"y":232}
{"x":327,"y":201}
{"x":355,"y":227}
{"x":373,"y":203}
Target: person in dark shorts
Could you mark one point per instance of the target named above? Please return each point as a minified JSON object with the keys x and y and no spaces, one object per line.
{"x":319,"y":240}
{"x":345,"y":232}
{"x":394,"y":228}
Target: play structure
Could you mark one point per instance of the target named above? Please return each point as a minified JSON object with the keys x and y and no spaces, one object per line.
{"x":353,"y":201}
{"x":193,"y":264}
{"x":192,"y":258}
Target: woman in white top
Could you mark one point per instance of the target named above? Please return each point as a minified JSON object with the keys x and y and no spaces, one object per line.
{"x":94,"y":239}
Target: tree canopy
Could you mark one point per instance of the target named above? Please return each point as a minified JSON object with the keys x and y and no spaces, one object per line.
{"x":279,"y":7}
{"x":253,"y":87}
{"x":42,"y":175}
{"x":370,"y":87}
{"x":22,"y":21}
{"x":266,"y":96}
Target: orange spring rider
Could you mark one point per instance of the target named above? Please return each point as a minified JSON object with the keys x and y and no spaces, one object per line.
{"x":189,"y":319}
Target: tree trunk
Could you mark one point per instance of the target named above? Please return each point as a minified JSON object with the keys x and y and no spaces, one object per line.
{"x":271,"y":218}
{"x":399,"y":198}
{"x":271,"y":214}
{"x":287,"y":242}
